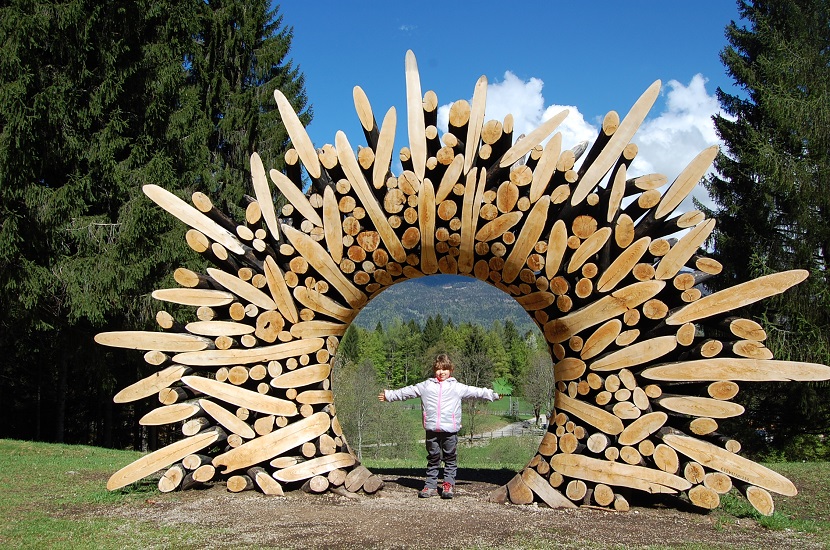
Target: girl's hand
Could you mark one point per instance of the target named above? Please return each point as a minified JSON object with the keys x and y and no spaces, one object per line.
{"x":382,"y":396}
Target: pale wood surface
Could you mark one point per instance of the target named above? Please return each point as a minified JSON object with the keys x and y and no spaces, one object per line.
{"x":241,"y":397}
{"x":263,"y":196}
{"x":618,"y":474}
{"x":169,"y":414}
{"x":159,"y":459}
{"x":750,"y":370}
{"x":159,"y":341}
{"x":716,"y":458}
{"x":227,"y":419}
{"x":263,"y":354}
{"x":316,"y":466}
{"x":277,"y":442}
{"x":151,"y":384}
{"x":738,"y":296}
{"x":616,"y":144}
{"x":299,"y":137}
{"x":192,"y":217}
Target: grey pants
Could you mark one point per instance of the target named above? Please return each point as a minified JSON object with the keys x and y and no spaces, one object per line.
{"x":441,"y":445}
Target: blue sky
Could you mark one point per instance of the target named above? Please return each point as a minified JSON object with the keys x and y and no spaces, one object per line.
{"x":538,"y":57}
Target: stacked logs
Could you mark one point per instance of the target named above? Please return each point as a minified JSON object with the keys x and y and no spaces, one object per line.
{"x":645,"y":364}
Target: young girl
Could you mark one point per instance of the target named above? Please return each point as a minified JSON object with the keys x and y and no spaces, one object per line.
{"x":441,"y":403}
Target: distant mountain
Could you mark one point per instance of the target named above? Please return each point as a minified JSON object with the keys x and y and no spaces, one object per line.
{"x":462,"y":299}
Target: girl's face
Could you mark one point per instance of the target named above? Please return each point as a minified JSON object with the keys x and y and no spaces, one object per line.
{"x":442,"y":373}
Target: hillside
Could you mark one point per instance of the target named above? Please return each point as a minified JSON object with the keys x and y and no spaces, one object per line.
{"x":462,"y":299}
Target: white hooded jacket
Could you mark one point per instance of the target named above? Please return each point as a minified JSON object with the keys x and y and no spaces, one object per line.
{"x":441,"y":401}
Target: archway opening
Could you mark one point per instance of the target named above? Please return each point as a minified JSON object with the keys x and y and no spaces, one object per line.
{"x":493,"y":343}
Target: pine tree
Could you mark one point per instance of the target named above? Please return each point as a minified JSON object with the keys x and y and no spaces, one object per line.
{"x":773,"y":192}
{"x":97,"y":99}
{"x":239,"y":58}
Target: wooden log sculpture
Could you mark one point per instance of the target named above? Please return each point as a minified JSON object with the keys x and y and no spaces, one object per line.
{"x":645,"y":365}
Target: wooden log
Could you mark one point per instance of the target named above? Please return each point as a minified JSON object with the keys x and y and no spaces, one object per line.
{"x":611,"y":152}
{"x":218,"y":358}
{"x":600,"y":339}
{"x":694,"y":472}
{"x":699,"y":406}
{"x":172,"y":479}
{"x":356,"y":478}
{"x":372,"y":485}
{"x":557,"y":245}
{"x":263,"y":195}
{"x":169,"y":414}
{"x":635,"y":354}
{"x":576,"y":490}
{"x":473,"y":191}
{"x":337,"y":477}
{"x":299,"y":138}
{"x":603,"y":494}
{"x":737,"y":296}
{"x":239,"y":483}
{"x":415,"y":116}
{"x":227,"y":419}
{"x":279,"y":290}
{"x":569,"y":368}
{"x":321,"y":261}
{"x":204,"y":473}
{"x":600,"y":419}
{"x":718,"y":482}
{"x":305,"y":376}
{"x":588,"y":248}
{"x":195,"y":425}
{"x":518,"y":491}
{"x":545,"y":168}
{"x":704,"y":497}
{"x":738,"y":467}
{"x":686,"y":182}
{"x":161,"y":458}
{"x":642,"y":428}
{"x":607,"y":307}
{"x":524,"y":145}
{"x":192,"y":217}
{"x":241,"y":397}
{"x":750,"y":370}
{"x":352,"y":170}
{"x":277,"y":442}
{"x":314,"y":467}
{"x":666,"y":459}
{"x":267,"y":484}
{"x":618,"y":474}
{"x":475,"y":122}
{"x":158,"y":341}
{"x":760,"y":499}
{"x":151,"y":384}
{"x":683,"y":251}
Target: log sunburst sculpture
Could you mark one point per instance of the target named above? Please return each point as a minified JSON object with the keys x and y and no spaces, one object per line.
{"x":645,"y":365}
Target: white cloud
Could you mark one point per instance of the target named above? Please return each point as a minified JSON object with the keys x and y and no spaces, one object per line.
{"x":524,"y":100}
{"x":667,"y":142}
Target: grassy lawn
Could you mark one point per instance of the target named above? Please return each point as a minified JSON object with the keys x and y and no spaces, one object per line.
{"x":54,"y":497}
{"x":45,"y":485}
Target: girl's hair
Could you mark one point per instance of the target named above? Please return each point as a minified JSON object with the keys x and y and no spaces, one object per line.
{"x":443,"y":361}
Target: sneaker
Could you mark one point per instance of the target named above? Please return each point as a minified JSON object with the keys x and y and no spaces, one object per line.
{"x":427,"y":492}
{"x":446,"y":490}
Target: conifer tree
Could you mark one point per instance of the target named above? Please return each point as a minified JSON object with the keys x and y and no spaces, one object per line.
{"x":772,"y":193}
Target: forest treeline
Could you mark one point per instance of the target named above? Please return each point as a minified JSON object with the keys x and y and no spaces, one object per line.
{"x":100,"y":98}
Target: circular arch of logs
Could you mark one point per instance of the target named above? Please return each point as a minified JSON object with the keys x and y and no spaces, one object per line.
{"x":645,"y":364}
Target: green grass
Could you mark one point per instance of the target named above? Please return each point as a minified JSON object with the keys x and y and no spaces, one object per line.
{"x":54,"y":497}
{"x":46,"y":486}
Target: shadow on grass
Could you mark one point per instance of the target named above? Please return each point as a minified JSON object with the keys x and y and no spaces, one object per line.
{"x":413,"y":478}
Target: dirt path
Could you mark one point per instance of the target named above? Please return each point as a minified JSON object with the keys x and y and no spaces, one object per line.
{"x":396,"y":518}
